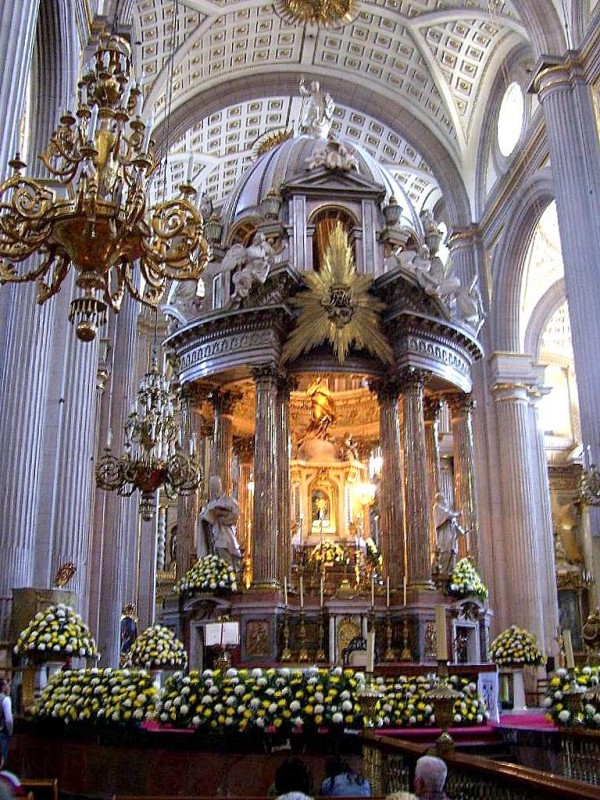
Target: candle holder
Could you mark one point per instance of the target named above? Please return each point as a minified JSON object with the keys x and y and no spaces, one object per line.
{"x":406,"y":654}
{"x":320,"y":654}
{"x":443,"y":697}
{"x":368,"y":696}
{"x":302,"y":651}
{"x":389,"y":654}
{"x":286,"y":653}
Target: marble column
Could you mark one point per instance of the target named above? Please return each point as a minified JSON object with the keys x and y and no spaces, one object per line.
{"x":572,"y":135}
{"x":520,"y":559}
{"x":417,"y":500}
{"x":465,"y":490}
{"x":223,"y":403}
{"x":431,"y":413}
{"x":266,"y":472}
{"x":545,"y":527}
{"x":284,"y":387}
{"x":190,"y":543}
{"x":244,"y":449}
{"x":391,"y":500}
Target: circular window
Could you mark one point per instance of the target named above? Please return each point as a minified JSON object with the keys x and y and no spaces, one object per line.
{"x":510,"y":119}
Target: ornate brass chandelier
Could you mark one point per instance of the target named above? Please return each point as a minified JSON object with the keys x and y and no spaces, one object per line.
{"x":153,"y":457}
{"x":102,"y":153}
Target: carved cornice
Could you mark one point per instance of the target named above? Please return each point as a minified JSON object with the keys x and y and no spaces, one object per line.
{"x":266,"y":375}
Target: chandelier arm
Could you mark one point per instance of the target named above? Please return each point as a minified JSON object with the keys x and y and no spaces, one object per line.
{"x":115,"y":298}
{"x":61,"y":264}
{"x":126,"y":274}
{"x":24,"y":225}
{"x":70,"y":154}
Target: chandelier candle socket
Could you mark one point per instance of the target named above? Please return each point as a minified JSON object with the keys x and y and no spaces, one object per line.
{"x":568,"y":644}
{"x":100,"y":225}
{"x":441,"y":634}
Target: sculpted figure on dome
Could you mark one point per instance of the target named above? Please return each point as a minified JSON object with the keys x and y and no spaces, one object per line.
{"x":252,"y":265}
{"x":317,"y":110}
{"x":468,"y":305}
{"x":433,"y":276}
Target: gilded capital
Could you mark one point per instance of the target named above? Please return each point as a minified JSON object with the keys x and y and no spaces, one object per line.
{"x":413,"y":378}
{"x":460,"y":404}
{"x":224,"y":401}
{"x":431,"y":408}
{"x":243,"y":447}
{"x":267,"y":374}
{"x":385,"y":389}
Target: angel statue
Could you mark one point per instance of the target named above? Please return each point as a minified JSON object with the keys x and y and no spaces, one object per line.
{"x":251,"y":264}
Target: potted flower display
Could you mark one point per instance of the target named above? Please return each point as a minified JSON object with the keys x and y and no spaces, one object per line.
{"x":209,"y":574}
{"x":556,"y":701}
{"x":56,"y":633}
{"x":465,"y":581}
{"x":512,"y":650}
{"x":157,"y":648}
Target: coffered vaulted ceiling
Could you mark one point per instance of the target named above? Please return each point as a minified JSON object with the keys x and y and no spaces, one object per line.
{"x":411,"y":80}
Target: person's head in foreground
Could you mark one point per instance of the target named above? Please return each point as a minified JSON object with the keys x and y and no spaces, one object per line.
{"x":293,"y":777}
{"x":430,"y":777}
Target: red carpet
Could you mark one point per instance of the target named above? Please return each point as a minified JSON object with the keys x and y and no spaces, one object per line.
{"x":534,"y":721}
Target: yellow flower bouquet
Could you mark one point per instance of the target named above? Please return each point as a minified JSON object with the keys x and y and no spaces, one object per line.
{"x":554,"y":701}
{"x":54,"y":633}
{"x":97,"y":696}
{"x":209,"y":574}
{"x":158,"y":648}
{"x":516,"y":647}
{"x":328,"y":552}
{"x":465,"y":581}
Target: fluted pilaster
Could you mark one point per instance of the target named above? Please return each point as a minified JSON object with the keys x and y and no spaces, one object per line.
{"x":520,"y":553}
{"x":545,"y":528}
{"x":465,"y":490}
{"x":223,"y":404}
{"x":464,"y":247}
{"x":393,"y":537}
{"x":266,"y":472}
{"x":417,"y":500}
{"x":572,"y":136}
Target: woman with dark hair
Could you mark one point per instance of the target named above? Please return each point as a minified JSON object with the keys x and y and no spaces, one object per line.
{"x":293,"y":780}
{"x":342,"y":781}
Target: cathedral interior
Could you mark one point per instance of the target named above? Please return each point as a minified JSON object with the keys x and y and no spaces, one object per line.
{"x":384,"y":346}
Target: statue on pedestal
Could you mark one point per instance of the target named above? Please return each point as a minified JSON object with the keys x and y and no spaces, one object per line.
{"x":218,"y":519}
{"x":447,"y":532}
{"x":317,"y":110}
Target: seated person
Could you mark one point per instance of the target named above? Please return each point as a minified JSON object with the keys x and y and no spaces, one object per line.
{"x":10,"y":785}
{"x":342,"y":781}
{"x":293,"y":780}
{"x":430,"y":778}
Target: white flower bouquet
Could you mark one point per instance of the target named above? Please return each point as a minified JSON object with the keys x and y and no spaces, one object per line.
{"x":465,"y":581}
{"x":158,"y":648}
{"x":209,"y":574}
{"x":373,"y":554}
{"x":56,"y":632}
{"x":97,"y":696}
{"x":404,"y":702}
{"x":555,"y":701}
{"x":516,"y":647}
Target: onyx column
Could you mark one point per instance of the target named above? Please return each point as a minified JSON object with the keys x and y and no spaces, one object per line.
{"x":416,"y":480}
{"x":431,"y":413}
{"x":465,"y":492}
{"x":393,"y":537}
{"x":284,"y":387}
{"x":266,"y":472}
{"x":244,"y":450}
{"x":224,"y":404}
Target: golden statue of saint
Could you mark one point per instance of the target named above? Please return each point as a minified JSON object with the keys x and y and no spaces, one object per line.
{"x":322,"y":412}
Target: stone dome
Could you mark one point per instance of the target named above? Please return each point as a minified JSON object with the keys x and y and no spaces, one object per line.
{"x":289,"y":160}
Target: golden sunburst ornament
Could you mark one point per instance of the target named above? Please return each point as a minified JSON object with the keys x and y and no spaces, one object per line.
{"x":326,"y":13}
{"x":337,"y":307}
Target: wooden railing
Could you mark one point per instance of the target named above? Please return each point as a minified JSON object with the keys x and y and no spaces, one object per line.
{"x":41,"y":788}
{"x":389,"y":765}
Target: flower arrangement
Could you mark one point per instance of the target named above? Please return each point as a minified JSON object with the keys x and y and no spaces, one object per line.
{"x":554,"y":701}
{"x":158,"y":648}
{"x":58,"y":631}
{"x":516,"y":647}
{"x":261,"y":700}
{"x":373,"y":554}
{"x":465,"y":581}
{"x":210,"y":573}
{"x":97,"y":696}
{"x":328,"y":552}
{"x":405,"y":703}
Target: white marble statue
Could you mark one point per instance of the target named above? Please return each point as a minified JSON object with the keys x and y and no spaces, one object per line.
{"x":317,"y":110}
{"x":219,"y":518}
{"x":468,"y":306}
{"x":447,"y":532}
{"x":251,"y":264}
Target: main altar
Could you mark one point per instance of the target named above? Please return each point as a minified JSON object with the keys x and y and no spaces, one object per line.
{"x":330,"y":342}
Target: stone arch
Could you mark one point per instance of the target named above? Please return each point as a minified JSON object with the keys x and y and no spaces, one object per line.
{"x":543,"y":25}
{"x":509,"y":261}
{"x":548,"y":304}
{"x":382,"y":107}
